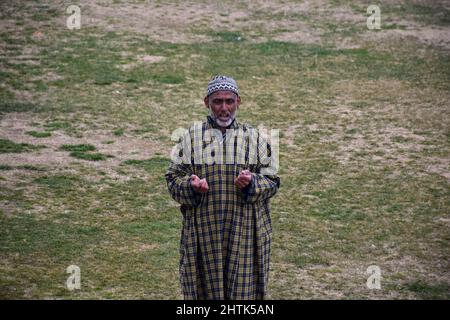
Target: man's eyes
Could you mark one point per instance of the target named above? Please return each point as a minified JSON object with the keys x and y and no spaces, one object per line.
{"x":227,"y":101}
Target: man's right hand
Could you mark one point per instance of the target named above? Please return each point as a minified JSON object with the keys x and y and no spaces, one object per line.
{"x":199,"y":185}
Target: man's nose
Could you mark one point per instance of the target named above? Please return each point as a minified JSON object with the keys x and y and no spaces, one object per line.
{"x":223,"y":106}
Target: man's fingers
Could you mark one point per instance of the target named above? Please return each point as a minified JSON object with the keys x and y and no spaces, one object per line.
{"x":200,"y":185}
{"x":243,"y":179}
{"x":194,"y":183}
{"x":245,"y":173}
{"x":194,"y":179}
{"x":239,"y":183}
{"x":203,"y":185}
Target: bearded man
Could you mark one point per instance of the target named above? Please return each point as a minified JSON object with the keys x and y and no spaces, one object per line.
{"x":223,"y":176}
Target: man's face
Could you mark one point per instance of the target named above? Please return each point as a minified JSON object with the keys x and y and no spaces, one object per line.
{"x":223,"y":105}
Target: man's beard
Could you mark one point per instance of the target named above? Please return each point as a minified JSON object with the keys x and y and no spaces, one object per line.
{"x":221,"y":123}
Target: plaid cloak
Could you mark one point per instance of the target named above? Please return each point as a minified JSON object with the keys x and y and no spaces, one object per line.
{"x":227,"y":232}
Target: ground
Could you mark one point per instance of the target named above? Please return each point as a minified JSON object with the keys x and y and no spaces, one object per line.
{"x":86,"y":118}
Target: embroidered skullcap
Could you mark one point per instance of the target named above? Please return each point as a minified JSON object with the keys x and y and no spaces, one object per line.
{"x":219,"y":83}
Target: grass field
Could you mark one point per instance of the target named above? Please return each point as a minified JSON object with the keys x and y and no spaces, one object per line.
{"x":86,"y":118}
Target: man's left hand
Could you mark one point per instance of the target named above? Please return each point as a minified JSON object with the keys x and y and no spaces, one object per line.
{"x":244,"y":178}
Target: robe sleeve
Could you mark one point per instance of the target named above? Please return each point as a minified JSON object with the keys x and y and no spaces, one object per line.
{"x":178,"y":179}
{"x":263,"y":186}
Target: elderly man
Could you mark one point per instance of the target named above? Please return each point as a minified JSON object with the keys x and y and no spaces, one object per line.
{"x":224,"y":187}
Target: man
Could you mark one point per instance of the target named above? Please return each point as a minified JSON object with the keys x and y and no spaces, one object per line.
{"x":224,"y":197}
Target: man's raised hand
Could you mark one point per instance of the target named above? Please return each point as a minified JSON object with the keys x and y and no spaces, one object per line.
{"x":199,"y":185}
{"x":244,"y":178}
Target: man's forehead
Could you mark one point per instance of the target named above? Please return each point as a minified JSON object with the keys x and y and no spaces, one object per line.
{"x":222,"y":94}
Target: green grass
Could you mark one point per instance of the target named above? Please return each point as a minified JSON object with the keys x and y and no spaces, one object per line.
{"x":428,"y":291}
{"x":8,"y":146}
{"x":39,"y":134}
{"x":88,"y":156}
{"x":13,"y":106}
{"x":77,"y":147}
{"x":429,"y":14}
{"x":31,"y":167}
{"x":227,"y":36}
{"x":24,"y":167}
{"x":52,"y":126}
{"x":81,"y":151}
{"x":156,"y":164}
{"x":118,"y":132}
{"x":60,"y":183}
